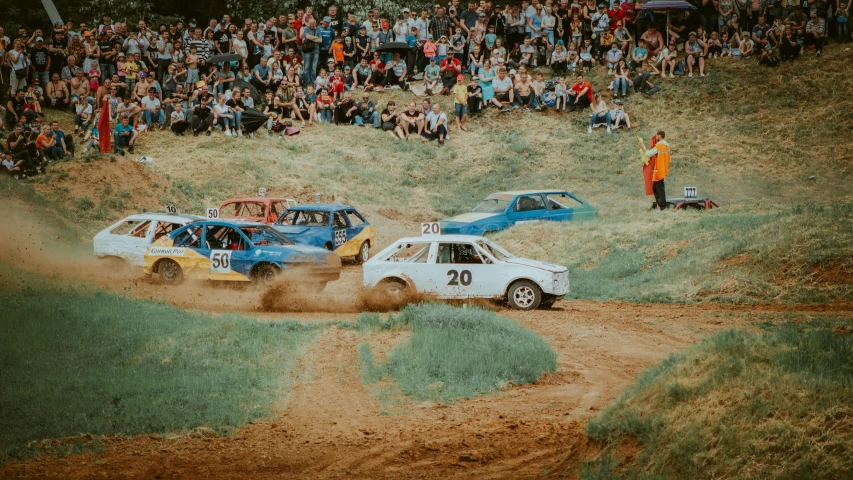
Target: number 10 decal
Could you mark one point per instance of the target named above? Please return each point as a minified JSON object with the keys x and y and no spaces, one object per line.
{"x":457,"y":278}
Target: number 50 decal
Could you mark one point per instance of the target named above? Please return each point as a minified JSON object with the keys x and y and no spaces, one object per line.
{"x":457,"y":278}
{"x":220,"y":261}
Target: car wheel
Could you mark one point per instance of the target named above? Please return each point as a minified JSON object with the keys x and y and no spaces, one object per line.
{"x":265,"y":274}
{"x":170,"y":272}
{"x":363,"y":253}
{"x":393,"y":287}
{"x":524,"y":295}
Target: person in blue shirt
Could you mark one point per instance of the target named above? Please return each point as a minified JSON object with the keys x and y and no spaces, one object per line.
{"x":261,"y":75}
{"x":326,"y":34}
{"x":124,"y":136}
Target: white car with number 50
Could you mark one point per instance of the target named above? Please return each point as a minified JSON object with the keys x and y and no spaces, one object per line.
{"x":465,"y":266}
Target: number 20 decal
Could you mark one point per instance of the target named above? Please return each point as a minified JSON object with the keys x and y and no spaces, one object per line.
{"x":457,"y":278}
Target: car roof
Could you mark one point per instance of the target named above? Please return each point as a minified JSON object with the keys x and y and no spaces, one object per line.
{"x":528,"y":192}
{"x":326,"y":207}
{"x":233,"y":223}
{"x":257,"y":199}
{"x":436,"y":238}
{"x":168,"y":217}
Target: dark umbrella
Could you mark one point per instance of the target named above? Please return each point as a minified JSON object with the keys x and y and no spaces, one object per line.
{"x":667,"y":5}
{"x":394,"y":47}
{"x":253,"y":120}
{"x":244,"y":85}
{"x":228,"y":57}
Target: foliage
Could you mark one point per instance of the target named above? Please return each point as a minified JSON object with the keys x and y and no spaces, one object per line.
{"x":80,"y":361}
{"x":774,"y":404}
{"x":456,"y":352}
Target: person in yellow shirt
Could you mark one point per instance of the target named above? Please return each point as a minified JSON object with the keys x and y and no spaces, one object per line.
{"x":460,"y":101}
{"x":662,"y":151}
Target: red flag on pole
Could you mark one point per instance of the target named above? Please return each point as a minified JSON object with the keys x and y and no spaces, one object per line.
{"x":104,"y":132}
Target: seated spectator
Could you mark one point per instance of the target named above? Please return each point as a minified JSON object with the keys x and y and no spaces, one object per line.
{"x":361,"y":74}
{"x":15,"y":111}
{"x":390,"y":117}
{"x":694,"y":52}
{"x":613,"y":57}
{"x":436,"y":125}
{"x":621,"y":81}
{"x":789,"y":49}
{"x":815,"y":33}
{"x":642,"y":82}
{"x":83,"y":116}
{"x":600,"y":114}
{"x":57,"y":93}
{"x":523,"y":93}
{"x":432,"y":77}
{"x":202,"y":117}
{"x":64,"y":142}
{"x":324,"y":106}
{"x":580,"y":95}
{"x":619,"y":117}
{"x":223,"y":116}
{"x":124,"y":136}
{"x":46,"y":144}
{"x":638,"y":55}
{"x":450,"y":69}
{"x":179,"y":123}
{"x":411,"y":122}
{"x":346,"y":111}
{"x":367,"y":112}
{"x":395,"y":72}
{"x":654,"y":40}
{"x":503,"y":88}
{"x":152,"y":110}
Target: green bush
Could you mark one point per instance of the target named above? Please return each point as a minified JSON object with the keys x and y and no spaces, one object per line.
{"x":77,"y":362}
{"x":457,"y":352}
{"x":774,"y":404}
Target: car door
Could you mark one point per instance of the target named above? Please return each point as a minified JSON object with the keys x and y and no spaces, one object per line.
{"x":459,"y":270}
{"x":340,"y":232}
{"x":527,"y":208}
{"x":560,"y":206}
{"x":227,"y":250}
{"x":136,"y":242}
{"x":194,"y":261}
{"x":414,"y":262}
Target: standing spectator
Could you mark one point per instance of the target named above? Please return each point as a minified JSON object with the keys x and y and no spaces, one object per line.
{"x":40,"y":60}
{"x":20,"y":67}
{"x":460,"y":103}
{"x":311,"y":41}
{"x":662,"y":150}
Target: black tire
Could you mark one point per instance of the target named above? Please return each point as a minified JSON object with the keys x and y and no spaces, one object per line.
{"x":170,"y":272}
{"x":265,"y":274}
{"x":524,"y":295}
{"x":548,"y":303}
{"x":363,"y":254}
{"x":393,"y":287}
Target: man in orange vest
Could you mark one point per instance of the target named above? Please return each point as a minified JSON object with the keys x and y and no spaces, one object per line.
{"x":661,"y":168}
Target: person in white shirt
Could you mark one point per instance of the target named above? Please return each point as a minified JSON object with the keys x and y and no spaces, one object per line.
{"x":436,"y":124}
{"x":83,"y":118}
{"x":153,"y":109}
{"x":222,"y":115}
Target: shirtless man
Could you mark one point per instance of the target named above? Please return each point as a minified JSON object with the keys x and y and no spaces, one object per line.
{"x":57,"y":92}
{"x":102,"y":91}
{"x":79,"y":88}
{"x":142,"y":86}
{"x":523,"y":93}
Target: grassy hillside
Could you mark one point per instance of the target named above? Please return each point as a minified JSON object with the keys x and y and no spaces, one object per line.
{"x":774,"y":404}
{"x":791,"y":254}
{"x":146,"y":368}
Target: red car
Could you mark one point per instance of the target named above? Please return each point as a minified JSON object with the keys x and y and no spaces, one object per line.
{"x":255,"y":209}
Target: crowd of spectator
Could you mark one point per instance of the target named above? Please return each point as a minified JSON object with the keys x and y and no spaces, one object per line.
{"x":307,"y":67}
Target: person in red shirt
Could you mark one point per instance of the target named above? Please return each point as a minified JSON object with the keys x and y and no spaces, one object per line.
{"x":630,"y":11}
{"x":337,"y":84}
{"x":450,"y":69}
{"x":580,"y":95}
{"x":377,"y":69}
{"x":616,"y":15}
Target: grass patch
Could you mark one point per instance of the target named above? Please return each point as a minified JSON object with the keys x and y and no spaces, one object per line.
{"x":456,"y":352}
{"x":771,"y":404}
{"x":794,"y":254}
{"x":80,"y":361}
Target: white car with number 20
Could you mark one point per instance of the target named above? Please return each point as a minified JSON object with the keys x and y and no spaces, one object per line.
{"x":465,"y":266}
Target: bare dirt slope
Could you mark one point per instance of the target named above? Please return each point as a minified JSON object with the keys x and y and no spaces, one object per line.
{"x":330,"y":425}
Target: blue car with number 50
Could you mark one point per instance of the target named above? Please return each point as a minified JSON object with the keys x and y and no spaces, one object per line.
{"x":236,"y":251}
{"x":505,"y":209}
{"x":339,"y":228}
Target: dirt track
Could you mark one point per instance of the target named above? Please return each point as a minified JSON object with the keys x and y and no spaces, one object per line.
{"x":330,"y":425}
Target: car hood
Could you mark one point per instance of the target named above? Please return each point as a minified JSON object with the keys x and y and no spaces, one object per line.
{"x":540,"y":265}
{"x":470,"y":217}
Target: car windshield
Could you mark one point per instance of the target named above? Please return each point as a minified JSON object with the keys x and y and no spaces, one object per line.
{"x":492,"y":205}
{"x":305,"y":218}
{"x":264,"y":235}
{"x":496,"y":251}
